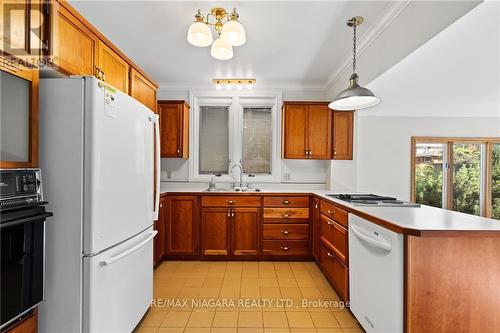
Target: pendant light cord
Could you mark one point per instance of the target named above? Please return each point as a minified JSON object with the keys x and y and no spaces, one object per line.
{"x":354,"y":50}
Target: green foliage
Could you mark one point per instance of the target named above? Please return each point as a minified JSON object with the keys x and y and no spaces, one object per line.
{"x":496,"y":182}
{"x":466,"y":178}
{"x":428,"y":184}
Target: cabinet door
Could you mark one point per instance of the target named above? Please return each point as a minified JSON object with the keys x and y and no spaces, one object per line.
{"x":215,"y":231}
{"x":113,"y":68}
{"x":73,"y":45}
{"x":142,"y":89}
{"x":174,"y":130}
{"x":295,"y":140}
{"x":319,"y":132}
{"x":160,"y":226}
{"x":343,"y":122}
{"x":182,"y":225}
{"x":245,"y":231}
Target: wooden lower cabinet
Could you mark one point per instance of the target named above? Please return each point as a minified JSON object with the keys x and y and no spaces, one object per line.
{"x":315,"y":228}
{"x":181,"y":226}
{"x":335,"y":271}
{"x":27,"y":325}
{"x":159,"y":240}
{"x":228,"y":232}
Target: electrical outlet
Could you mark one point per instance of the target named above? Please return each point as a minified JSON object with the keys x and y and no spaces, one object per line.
{"x":287,"y":176}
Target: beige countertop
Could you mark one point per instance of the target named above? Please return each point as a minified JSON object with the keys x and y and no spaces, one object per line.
{"x":424,"y":220}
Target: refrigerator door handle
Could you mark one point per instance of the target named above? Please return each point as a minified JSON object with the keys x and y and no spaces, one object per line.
{"x":373,"y":242}
{"x":157,"y":162}
{"x":125,"y":253}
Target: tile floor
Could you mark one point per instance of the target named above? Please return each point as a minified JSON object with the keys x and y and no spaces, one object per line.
{"x":244,"y":297}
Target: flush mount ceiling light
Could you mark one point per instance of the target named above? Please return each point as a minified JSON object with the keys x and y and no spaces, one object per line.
{"x":230,"y":83}
{"x":231,"y":33}
{"x":354,"y":97}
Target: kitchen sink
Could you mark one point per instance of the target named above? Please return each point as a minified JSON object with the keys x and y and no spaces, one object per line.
{"x":232,"y":190}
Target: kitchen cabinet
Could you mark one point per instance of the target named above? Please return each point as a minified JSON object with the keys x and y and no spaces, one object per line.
{"x":111,"y":67}
{"x":307,"y":130}
{"x":230,"y":226}
{"x":316,"y":215}
{"x":27,"y":325}
{"x":181,"y":226}
{"x":174,"y":129}
{"x":343,"y":123}
{"x":336,"y":272}
{"x":313,"y":131}
{"x":142,"y":89}
{"x":73,"y":46}
{"x":19,"y":88}
{"x":160,"y":238}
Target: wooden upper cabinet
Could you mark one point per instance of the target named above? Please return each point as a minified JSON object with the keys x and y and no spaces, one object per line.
{"x":112,"y":68}
{"x":319,"y":132}
{"x":174,"y":128}
{"x":314,"y":131}
{"x":343,"y":123}
{"x":73,"y":45}
{"x":307,"y":130}
{"x":295,"y":132}
{"x":142,"y":89}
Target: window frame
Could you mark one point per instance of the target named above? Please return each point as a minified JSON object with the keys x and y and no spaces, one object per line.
{"x":237,"y":101}
{"x":485,"y":190}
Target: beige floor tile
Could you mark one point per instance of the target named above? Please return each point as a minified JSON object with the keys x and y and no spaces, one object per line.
{"x":311,"y":292}
{"x":250,"y":319}
{"x":305,"y":282}
{"x":346,"y":319}
{"x":303,"y":330}
{"x":270,"y":292}
{"x":330,"y":330}
{"x":170,"y":330}
{"x":153,"y":318}
{"x":353,"y":330}
{"x":268,"y":282}
{"x":250,"y":330}
{"x":212,"y":282}
{"x":224,"y":330}
{"x":276,"y":330}
{"x":197,"y":330}
{"x":176,"y":319}
{"x":288,"y":282}
{"x":194,"y":282}
{"x":250,"y":292}
{"x":201,"y":318}
{"x":300,"y":319}
{"x":209,"y":292}
{"x":291,"y":292}
{"x":251,"y":273}
{"x":229,"y":292}
{"x":225,"y":319}
{"x":267,"y":274}
{"x":189,"y":292}
{"x":275,"y":319}
{"x":324,"y":320}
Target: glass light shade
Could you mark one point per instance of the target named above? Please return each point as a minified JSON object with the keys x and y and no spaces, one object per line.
{"x":218,"y":86}
{"x":199,"y":34}
{"x":229,"y":86}
{"x":354,"y":97}
{"x":221,"y":50}
{"x":239,"y":86}
{"x":249,"y":85}
{"x":234,"y":33}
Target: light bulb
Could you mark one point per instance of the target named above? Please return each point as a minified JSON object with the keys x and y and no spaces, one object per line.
{"x":239,"y":86}
{"x":218,"y":86}
{"x":229,"y":86}
{"x":221,"y":50}
{"x":249,"y":85}
{"x":199,"y":34}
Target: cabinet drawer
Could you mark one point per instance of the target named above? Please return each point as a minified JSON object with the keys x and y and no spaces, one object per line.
{"x":335,"y":271}
{"x":286,"y":202}
{"x":286,"y":231}
{"x":230,"y":201}
{"x":286,"y":213}
{"x":336,"y":235}
{"x":335,"y":213}
{"x":286,"y":247}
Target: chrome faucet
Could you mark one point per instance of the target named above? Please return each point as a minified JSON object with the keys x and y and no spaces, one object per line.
{"x":211,"y":184}
{"x":241,"y":173}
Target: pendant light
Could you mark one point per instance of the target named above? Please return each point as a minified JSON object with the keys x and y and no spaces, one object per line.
{"x":199,"y":33}
{"x":233,"y":31}
{"x":354,"y":97}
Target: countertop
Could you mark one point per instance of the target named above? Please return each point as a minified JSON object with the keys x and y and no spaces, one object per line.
{"x":417,"y":221}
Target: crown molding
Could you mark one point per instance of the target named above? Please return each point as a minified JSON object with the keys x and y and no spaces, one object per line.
{"x":386,"y":19}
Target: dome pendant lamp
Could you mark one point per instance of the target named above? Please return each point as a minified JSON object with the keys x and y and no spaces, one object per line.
{"x":354,"y":97}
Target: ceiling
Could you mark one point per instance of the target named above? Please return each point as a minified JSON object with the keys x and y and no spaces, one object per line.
{"x":293,"y":43}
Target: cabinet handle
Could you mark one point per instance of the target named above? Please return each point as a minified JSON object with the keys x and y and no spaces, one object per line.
{"x":316,"y":206}
{"x":285,"y":248}
{"x":229,"y":213}
{"x":331,"y":213}
{"x":178,"y":152}
{"x":285,"y":232}
{"x":103,"y":76}
{"x":231,"y":202}
{"x":310,"y":152}
{"x":161,"y":205}
{"x":286,"y":202}
{"x":334,"y":152}
{"x":330,"y":255}
{"x":285,"y":216}
{"x":329,"y":223}
{"x":232,"y":213}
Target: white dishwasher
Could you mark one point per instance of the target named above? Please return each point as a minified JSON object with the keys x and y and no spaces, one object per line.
{"x":376,"y":276}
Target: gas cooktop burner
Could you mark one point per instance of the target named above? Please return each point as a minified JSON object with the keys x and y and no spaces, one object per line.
{"x":358,"y":199}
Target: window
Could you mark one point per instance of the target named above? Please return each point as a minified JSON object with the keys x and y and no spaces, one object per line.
{"x":235,"y":130}
{"x":257,"y":140}
{"x":461,"y":174}
{"x":214,"y":140}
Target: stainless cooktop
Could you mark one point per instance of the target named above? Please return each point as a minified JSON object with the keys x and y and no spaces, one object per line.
{"x":357,"y":199}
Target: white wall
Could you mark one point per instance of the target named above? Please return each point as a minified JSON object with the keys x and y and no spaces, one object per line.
{"x":448,"y":87}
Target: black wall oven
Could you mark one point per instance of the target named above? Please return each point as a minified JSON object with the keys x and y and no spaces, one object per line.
{"x":22,"y":237}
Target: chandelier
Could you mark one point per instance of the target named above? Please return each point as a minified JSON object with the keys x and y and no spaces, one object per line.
{"x":230,"y":33}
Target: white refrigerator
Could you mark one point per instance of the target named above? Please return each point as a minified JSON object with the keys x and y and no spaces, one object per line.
{"x":99,"y":151}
